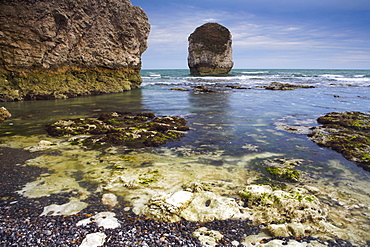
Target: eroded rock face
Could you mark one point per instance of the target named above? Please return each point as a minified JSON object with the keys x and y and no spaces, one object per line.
{"x":65,"y":48}
{"x":210,"y":51}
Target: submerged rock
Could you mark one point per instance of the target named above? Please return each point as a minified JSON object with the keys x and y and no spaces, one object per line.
{"x":210,"y":51}
{"x":73,"y":48}
{"x":283,"y":169}
{"x":121,"y":128}
{"x":347,"y":133}
{"x":285,"y":86}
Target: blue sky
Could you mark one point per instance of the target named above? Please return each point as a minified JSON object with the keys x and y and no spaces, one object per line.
{"x":272,"y":34}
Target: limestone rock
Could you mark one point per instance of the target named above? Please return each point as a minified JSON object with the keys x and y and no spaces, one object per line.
{"x":277,"y":206}
{"x":4,"y":114}
{"x":207,"y":237}
{"x":207,"y":206}
{"x":102,"y":219}
{"x":94,"y":240}
{"x":72,"y":207}
{"x":196,"y":207}
{"x":210,"y":50}
{"x":109,"y":199}
{"x":66,"y":48}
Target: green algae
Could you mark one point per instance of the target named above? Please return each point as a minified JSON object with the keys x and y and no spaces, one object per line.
{"x":121,"y":128}
{"x":65,"y":82}
{"x":287,"y":174}
{"x":346,"y":133}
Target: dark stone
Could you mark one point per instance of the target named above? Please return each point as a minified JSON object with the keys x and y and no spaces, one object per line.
{"x":285,"y":86}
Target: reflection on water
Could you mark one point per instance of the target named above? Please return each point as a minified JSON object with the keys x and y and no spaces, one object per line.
{"x":231,"y":133}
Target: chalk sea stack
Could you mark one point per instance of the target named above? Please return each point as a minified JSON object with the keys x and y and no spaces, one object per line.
{"x":210,"y":51}
{"x":66,"y":48}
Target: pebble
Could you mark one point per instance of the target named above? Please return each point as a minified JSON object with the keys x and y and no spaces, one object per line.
{"x":21,"y":223}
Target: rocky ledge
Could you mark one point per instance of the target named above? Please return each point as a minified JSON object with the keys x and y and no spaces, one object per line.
{"x":347,"y":133}
{"x":64,"y":48}
{"x":121,"y":128}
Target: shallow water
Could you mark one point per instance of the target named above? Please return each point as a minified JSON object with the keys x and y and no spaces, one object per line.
{"x":231,"y":132}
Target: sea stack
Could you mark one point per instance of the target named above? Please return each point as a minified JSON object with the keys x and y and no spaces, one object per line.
{"x":210,"y":50}
{"x":66,"y":48}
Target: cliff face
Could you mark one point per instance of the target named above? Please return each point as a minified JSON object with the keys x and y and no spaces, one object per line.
{"x":66,"y":48}
{"x":210,"y":50}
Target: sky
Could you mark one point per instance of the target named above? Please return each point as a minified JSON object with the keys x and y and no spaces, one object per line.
{"x":271,"y":34}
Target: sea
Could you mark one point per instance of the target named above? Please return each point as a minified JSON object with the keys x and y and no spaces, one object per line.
{"x":233,"y":128}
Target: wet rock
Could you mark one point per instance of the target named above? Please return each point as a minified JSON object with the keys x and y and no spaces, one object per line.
{"x":43,"y":145}
{"x":283,"y":169}
{"x":269,"y":206}
{"x":4,"y":114}
{"x":210,"y":51}
{"x":285,"y":86}
{"x":121,"y":128}
{"x":347,"y":133}
{"x":203,"y":89}
{"x":179,"y":89}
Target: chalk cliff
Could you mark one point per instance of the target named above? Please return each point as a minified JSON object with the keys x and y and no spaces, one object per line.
{"x":65,"y":48}
{"x":210,"y":50}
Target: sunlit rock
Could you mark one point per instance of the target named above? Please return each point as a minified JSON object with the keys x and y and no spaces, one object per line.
{"x":70,"y":208}
{"x":207,"y":237}
{"x":4,"y":114}
{"x":71,"y":49}
{"x":296,"y":205}
{"x":93,"y":240}
{"x":196,"y":207}
{"x":207,"y":206}
{"x":103,"y":219}
{"x":210,"y":50}
{"x":109,"y":199}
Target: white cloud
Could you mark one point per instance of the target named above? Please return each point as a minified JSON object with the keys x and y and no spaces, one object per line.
{"x":255,"y":38}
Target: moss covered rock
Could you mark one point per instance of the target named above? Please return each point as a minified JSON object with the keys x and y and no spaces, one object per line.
{"x":121,"y":128}
{"x":347,"y":133}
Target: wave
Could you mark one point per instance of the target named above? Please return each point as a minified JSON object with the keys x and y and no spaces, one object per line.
{"x":255,"y":72}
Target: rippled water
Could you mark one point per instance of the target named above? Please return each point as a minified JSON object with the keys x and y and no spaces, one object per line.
{"x":231,"y":131}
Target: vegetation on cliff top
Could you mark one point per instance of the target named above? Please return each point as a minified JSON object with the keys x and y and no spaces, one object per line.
{"x":212,"y":36}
